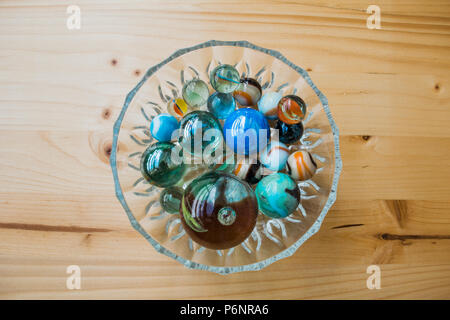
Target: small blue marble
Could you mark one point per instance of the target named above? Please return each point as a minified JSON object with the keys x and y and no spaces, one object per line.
{"x":278,"y":195}
{"x":275,"y":155}
{"x":221,"y":105}
{"x":246,"y":131}
{"x":268,"y":104}
{"x":163,"y":126}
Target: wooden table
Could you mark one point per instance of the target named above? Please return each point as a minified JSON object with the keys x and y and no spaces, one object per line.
{"x":61,"y":91}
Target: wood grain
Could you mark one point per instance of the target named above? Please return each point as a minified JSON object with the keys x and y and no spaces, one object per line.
{"x":61,"y":90}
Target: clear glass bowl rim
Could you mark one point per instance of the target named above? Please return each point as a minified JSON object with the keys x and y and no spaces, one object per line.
{"x":283,"y":254}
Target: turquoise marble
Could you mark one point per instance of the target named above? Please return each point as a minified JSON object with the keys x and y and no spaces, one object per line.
{"x":163,"y":126}
{"x":224,"y":78}
{"x":221,"y":105}
{"x":268,"y":104}
{"x":195,"y":93}
{"x":170,"y":199}
{"x":278,"y":195}
{"x":200,"y":134}
{"x":161,"y":164}
{"x":274,"y":156}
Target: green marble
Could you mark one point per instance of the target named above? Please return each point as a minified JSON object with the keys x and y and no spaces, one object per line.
{"x":170,"y":199}
{"x":200,"y":133}
{"x":195,"y":93}
{"x":160,"y":167}
{"x":225,"y":78}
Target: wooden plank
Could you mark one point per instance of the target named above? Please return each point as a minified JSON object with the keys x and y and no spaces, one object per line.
{"x":46,"y":280}
{"x":354,"y":232}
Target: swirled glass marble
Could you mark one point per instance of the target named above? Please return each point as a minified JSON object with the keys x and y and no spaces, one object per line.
{"x":291,"y":109}
{"x":248,"y":170}
{"x":170,"y":199}
{"x":224,"y":78}
{"x":218,"y":210}
{"x":195,"y":93}
{"x":268,"y":104}
{"x":278,"y":195}
{"x":275,"y":155}
{"x":163,"y":126}
{"x":301,"y":165}
{"x":200,"y":133}
{"x":222,"y":162}
{"x":246,"y":131}
{"x":178,"y":108}
{"x":289,"y":133}
{"x":221,"y":105}
{"x":248,"y":92}
{"x":161,"y":164}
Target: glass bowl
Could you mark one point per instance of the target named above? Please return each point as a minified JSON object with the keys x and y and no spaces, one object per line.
{"x":271,"y":239}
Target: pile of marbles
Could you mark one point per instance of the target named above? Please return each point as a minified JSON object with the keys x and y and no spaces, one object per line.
{"x":219,"y":208}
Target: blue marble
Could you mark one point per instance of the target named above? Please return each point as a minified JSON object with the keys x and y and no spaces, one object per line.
{"x":246,"y":131}
{"x":200,"y":133}
{"x":274,"y":156}
{"x":268,"y":104}
{"x":221,"y":105}
{"x":278,"y":195}
{"x":163,"y":126}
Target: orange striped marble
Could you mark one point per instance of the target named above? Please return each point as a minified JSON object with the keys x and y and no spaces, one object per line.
{"x":291,"y":109}
{"x":301,"y":165}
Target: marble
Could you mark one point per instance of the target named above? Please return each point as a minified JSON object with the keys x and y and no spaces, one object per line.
{"x":218,"y":210}
{"x":223,"y":162}
{"x":163,"y":126}
{"x":291,"y":109}
{"x":274,"y":156}
{"x":162,"y":165}
{"x":246,"y":131}
{"x":289,"y":133}
{"x":301,"y":165}
{"x":278,"y":195}
{"x":221,"y":105}
{"x":178,"y":108}
{"x":200,"y":133}
{"x":249,"y":170}
{"x":248,"y":92}
{"x":224,"y":78}
{"x":170,"y":199}
{"x":195,"y":93}
{"x":268,"y":104}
